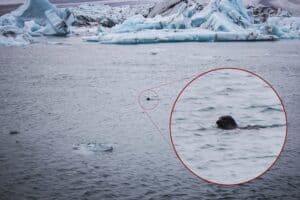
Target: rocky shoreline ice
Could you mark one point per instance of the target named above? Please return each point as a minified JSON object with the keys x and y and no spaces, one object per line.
{"x":164,"y":21}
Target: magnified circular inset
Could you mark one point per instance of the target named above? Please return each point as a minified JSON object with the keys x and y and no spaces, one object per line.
{"x":148,"y":99}
{"x":228,"y":126}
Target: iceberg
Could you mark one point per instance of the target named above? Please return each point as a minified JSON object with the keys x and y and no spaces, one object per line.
{"x":170,"y":7}
{"x":283,"y":27}
{"x":90,"y":14}
{"x":164,"y":21}
{"x":183,"y":35}
{"x":186,"y":20}
{"x":33,"y":18}
{"x":227,"y":15}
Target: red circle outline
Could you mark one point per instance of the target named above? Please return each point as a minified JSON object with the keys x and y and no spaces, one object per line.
{"x":140,"y":103}
{"x":170,"y":126}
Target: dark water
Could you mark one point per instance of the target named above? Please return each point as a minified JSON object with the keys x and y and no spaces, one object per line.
{"x":58,"y":96}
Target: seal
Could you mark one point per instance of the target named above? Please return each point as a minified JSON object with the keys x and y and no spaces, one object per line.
{"x":228,"y":123}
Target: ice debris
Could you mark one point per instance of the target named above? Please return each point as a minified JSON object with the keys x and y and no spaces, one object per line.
{"x":186,"y":20}
{"x":93,"y":147}
{"x":33,"y":18}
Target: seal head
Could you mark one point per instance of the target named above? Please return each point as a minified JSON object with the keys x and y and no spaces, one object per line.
{"x":226,"y":123}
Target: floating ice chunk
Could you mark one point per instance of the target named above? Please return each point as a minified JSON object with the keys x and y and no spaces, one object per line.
{"x":56,"y":25}
{"x":19,"y":40}
{"x":34,"y":18}
{"x":91,"y":39}
{"x":183,"y":35}
{"x":98,"y":147}
{"x":93,"y":147}
{"x":283,"y":27}
{"x":14,"y":36}
{"x":52,"y":21}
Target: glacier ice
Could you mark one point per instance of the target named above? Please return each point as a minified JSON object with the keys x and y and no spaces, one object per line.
{"x":166,"y":8}
{"x":182,"y":35}
{"x":283,"y":27}
{"x":186,"y":20}
{"x":164,"y":21}
{"x":89,"y":14}
{"x":33,"y":18}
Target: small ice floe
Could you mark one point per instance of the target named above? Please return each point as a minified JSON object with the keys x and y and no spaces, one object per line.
{"x":93,"y":147}
{"x":156,"y":51}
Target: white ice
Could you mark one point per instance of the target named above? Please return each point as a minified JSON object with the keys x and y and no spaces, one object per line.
{"x":220,"y":20}
{"x":182,"y":35}
{"x":33,"y":18}
{"x":166,"y":21}
{"x":93,"y":147}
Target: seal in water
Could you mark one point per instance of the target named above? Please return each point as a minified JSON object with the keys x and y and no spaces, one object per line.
{"x":228,"y":123}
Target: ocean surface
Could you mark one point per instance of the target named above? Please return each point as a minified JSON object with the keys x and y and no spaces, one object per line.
{"x":228,"y":156}
{"x":68,"y":94}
